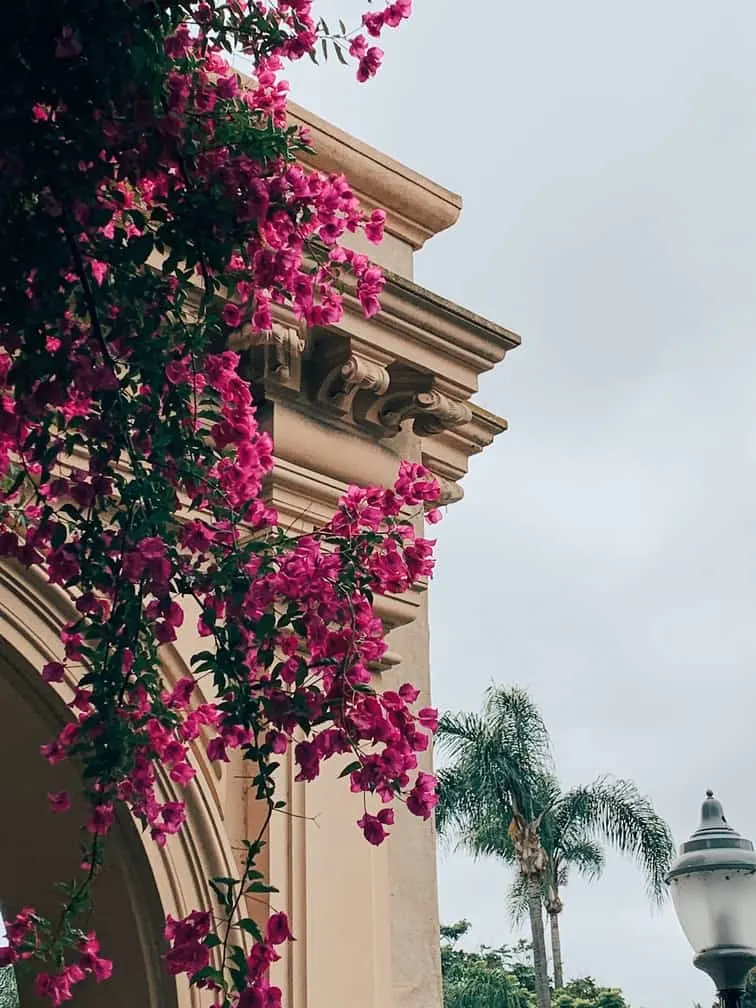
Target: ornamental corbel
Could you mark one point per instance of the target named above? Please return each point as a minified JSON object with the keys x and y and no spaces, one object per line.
{"x":284,"y":348}
{"x":345,"y":380}
{"x":451,"y":492}
{"x":438,"y":413}
{"x":431,"y":411}
{"x":277,"y":354}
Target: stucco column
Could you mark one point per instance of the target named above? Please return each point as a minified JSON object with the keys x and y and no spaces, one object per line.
{"x":414,"y":924}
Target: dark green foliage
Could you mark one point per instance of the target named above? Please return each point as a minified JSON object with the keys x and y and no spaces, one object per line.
{"x":500,"y":770}
{"x":587,"y":994}
{"x":503,"y":978}
{"x":8,"y":988}
{"x":488,"y":978}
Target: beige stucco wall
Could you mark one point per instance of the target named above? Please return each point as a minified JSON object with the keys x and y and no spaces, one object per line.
{"x":344,"y":406}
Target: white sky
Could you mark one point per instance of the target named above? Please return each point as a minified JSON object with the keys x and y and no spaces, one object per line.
{"x":606,"y":153}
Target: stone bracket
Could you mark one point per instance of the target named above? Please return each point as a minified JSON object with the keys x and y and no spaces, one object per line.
{"x":275,"y":356}
{"x":345,"y":380}
{"x":431,"y":412}
{"x":381,"y":395}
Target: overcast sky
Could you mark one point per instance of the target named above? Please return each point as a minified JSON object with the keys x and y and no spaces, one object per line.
{"x":606,"y":154}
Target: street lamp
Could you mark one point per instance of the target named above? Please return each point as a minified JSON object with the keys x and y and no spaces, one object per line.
{"x":713,"y":884}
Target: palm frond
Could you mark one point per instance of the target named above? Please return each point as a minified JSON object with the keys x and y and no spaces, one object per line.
{"x":615,"y":811}
{"x":493,"y":762}
{"x":489,"y":836}
{"x":457,"y":732}
{"x":460,"y":803}
{"x":514,"y":719}
{"x":585,"y":856}
{"x":517,"y":899}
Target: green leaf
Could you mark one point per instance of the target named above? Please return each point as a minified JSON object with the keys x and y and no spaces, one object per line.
{"x":248,"y":925}
{"x":350,"y":768}
{"x":58,"y":537}
{"x":141,"y":248}
{"x":224,"y":896}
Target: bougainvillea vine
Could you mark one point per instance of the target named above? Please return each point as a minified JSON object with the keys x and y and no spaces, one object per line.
{"x":151,"y":207}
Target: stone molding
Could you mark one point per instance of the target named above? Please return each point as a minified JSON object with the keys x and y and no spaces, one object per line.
{"x":415,"y":367}
{"x":416,"y":208}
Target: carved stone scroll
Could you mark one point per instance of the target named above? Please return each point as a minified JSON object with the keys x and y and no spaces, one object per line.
{"x":439,"y":413}
{"x":283,"y":351}
{"x":345,"y":380}
{"x":432,"y":412}
{"x":277,"y":354}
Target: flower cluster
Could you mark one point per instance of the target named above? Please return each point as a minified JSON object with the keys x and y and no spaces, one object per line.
{"x":153,"y":207}
{"x":23,"y":935}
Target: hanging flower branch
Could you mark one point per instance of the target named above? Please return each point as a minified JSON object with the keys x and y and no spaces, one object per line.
{"x":151,"y":205}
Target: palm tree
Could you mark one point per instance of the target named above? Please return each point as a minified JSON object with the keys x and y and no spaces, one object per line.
{"x":575,"y":829}
{"x":499,"y":796}
{"x":497,"y":762}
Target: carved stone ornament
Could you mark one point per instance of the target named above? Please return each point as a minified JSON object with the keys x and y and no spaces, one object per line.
{"x":451,"y":492}
{"x":345,"y":380}
{"x":278,"y":353}
{"x":285,"y":346}
{"x":432,"y":411}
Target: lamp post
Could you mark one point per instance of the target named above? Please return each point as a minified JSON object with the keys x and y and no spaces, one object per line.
{"x":713,"y":885}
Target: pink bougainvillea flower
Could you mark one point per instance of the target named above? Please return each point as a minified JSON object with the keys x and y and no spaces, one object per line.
{"x":277,"y":929}
{"x":370,"y":63}
{"x":53,"y":672}
{"x":232,"y":315}
{"x":68,"y":44}
{"x":373,"y":826}
{"x":101,"y":818}
{"x":58,"y":986}
{"x":164,"y":507}
{"x":99,"y":270}
{"x":59,"y":801}
{"x":374,"y":226}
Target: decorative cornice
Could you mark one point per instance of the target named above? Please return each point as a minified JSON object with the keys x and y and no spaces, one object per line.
{"x":447,"y":455}
{"x":416,"y":207}
{"x":476,"y":336}
{"x":427,"y":333}
{"x":461,"y":343}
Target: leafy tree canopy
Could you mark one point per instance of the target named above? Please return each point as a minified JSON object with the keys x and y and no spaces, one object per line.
{"x":503,"y":978}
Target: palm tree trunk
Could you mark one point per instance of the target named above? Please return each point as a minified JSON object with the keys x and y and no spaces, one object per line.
{"x":540,"y":961}
{"x":556,"y":951}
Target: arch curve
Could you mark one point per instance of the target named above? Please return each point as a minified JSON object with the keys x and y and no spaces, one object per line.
{"x":141,"y":882}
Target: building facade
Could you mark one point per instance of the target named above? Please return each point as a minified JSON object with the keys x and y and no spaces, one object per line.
{"x":343,"y":405}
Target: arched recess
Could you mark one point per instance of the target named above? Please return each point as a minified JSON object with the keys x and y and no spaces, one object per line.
{"x":141,"y":883}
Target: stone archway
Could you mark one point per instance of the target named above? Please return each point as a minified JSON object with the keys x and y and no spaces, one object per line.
{"x":38,"y":849}
{"x":140,"y":883}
